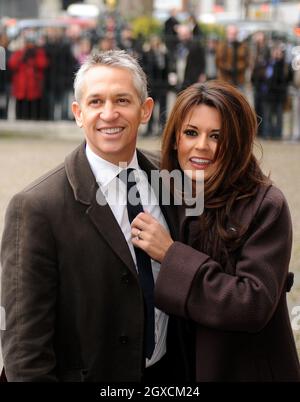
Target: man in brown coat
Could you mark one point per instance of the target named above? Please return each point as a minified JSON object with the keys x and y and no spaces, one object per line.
{"x":232,"y":58}
{"x":74,"y":304}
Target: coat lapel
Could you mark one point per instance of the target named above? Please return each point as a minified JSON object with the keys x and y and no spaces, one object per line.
{"x":86,"y":191}
{"x":106,"y":224}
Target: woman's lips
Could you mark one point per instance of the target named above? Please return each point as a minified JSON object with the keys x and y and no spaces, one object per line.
{"x":200,"y":163}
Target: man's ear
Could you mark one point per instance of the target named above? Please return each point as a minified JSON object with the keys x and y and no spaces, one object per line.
{"x":77,"y":113}
{"x":147,"y":109}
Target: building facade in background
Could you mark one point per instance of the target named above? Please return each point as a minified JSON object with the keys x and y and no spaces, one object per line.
{"x":209,"y":10}
{"x":19,"y":8}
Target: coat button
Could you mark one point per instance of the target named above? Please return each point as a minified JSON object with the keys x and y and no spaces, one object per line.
{"x":123,"y":339}
{"x":125,"y":278}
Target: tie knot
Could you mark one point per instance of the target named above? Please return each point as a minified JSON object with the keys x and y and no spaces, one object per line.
{"x":128,"y":178}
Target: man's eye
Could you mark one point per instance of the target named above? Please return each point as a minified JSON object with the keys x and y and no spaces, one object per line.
{"x":190,"y":133}
{"x":95,"y":102}
{"x":123,"y":101}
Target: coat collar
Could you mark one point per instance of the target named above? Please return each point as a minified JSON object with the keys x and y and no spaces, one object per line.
{"x":82,"y":179}
{"x":80,"y":175}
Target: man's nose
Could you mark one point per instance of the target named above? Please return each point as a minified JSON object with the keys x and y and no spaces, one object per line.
{"x":108,"y":111}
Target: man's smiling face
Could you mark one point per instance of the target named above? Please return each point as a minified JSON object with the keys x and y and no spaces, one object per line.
{"x":110,"y":112}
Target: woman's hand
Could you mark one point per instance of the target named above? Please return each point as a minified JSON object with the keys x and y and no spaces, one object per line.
{"x":149,"y":235}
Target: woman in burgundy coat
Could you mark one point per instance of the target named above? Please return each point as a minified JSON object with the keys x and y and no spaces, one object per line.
{"x":229,"y":275}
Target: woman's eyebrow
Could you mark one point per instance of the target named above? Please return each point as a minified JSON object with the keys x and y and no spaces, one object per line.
{"x":190,"y":125}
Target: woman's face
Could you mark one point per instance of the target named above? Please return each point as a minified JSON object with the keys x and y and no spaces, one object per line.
{"x":197,"y":141}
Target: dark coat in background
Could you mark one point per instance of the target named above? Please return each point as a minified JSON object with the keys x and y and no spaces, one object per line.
{"x":195,"y":64}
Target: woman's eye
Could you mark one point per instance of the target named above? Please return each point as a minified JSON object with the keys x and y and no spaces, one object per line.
{"x":215,"y":136}
{"x":190,"y":133}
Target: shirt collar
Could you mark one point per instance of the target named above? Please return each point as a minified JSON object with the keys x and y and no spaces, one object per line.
{"x":105,"y":171}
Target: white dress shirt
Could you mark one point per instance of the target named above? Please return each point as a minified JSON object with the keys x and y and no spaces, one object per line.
{"x":115,"y":193}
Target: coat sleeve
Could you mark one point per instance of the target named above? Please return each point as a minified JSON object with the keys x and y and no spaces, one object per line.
{"x":192,"y":285}
{"x":29,"y":287}
{"x":40,"y":59}
{"x":15,"y":60}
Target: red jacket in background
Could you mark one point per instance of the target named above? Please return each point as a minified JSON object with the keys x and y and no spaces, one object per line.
{"x":28,"y":73}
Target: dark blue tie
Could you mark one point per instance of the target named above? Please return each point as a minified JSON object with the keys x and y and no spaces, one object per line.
{"x":134,"y":207}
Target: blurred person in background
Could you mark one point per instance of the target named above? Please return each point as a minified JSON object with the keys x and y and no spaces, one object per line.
{"x":170,"y":36}
{"x":82,"y":50}
{"x":191,"y":57}
{"x":4,"y":76}
{"x":278,"y":74}
{"x":260,"y":56}
{"x":105,"y":43}
{"x":27,"y":66}
{"x":194,"y":27}
{"x":232,"y":58}
{"x":58,"y":74}
{"x":156,"y":66}
{"x":210,"y":58}
{"x":296,"y":97}
{"x":128,"y":43}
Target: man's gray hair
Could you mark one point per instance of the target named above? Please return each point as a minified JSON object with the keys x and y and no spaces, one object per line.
{"x":112,"y":58}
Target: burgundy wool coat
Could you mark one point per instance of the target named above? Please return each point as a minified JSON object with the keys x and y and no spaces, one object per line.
{"x":243,"y":330}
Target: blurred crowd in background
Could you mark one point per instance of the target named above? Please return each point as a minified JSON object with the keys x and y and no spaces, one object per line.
{"x":41,"y":62}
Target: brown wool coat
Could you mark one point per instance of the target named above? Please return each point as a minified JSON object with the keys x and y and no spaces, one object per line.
{"x":243,"y":331}
{"x":74,"y":306}
{"x":229,"y":68}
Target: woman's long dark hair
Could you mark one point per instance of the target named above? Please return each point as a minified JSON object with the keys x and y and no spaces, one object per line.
{"x":237,"y":174}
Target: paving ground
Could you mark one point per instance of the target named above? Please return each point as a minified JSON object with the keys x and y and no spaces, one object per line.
{"x":24,"y":158}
